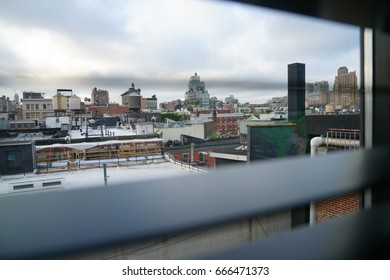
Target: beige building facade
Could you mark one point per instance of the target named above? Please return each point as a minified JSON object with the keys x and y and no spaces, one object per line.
{"x":66,"y":102}
{"x":36,"y":107}
{"x":346,"y":93}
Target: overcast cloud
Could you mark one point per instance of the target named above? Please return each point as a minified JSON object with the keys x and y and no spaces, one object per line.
{"x":236,"y":49}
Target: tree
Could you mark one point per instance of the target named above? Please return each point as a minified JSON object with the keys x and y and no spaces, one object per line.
{"x":172,"y":116}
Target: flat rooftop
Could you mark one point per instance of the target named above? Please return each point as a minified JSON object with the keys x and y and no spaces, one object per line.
{"x":90,"y":178}
{"x":114,"y":131}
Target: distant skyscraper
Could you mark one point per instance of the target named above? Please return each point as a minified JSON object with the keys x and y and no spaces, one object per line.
{"x":197,"y":93}
{"x":16,"y":98}
{"x":296,"y":91}
{"x":317,"y":94}
{"x":346,"y":95}
{"x":309,"y":90}
{"x":322,"y":89}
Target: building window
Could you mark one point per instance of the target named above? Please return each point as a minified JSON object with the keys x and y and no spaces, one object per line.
{"x":201,"y":157}
{"x":14,"y":160}
{"x":28,"y":106}
{"x":186,"y":158}
{"x":44,"y":106}
{"x":36,"y":106}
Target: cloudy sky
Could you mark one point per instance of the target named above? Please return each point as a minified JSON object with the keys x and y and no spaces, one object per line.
{"x":235,"y":49}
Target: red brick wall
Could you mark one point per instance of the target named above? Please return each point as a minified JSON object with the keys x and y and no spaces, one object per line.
{"x":209,"y":161}
{"x":113,"y":109}
{"x":338,"y":206}
{"x":227,"y":124}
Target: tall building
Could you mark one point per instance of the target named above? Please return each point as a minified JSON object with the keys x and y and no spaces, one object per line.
{"x":346,"y":95}
{"x":132,"y":99}
{"x":6,"y":105}
{"x":99,"y":97}
{"x":197,"y":93}
{"x":322,"y":89}
{"x":16,"y":98}
{"x":317,"y":93}
{"x":309,"y":90}
{"x":296,"y":91}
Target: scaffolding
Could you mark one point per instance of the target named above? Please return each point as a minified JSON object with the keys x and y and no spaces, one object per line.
{"x":60,"y":157}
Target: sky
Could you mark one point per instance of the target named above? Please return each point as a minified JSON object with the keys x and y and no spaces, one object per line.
{"x":236,"y":49}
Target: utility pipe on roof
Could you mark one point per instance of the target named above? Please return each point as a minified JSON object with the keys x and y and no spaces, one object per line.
{"x":315,"y":143}
{"x":319,"y":141}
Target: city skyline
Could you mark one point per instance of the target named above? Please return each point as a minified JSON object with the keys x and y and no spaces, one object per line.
{"x":47,"y":45}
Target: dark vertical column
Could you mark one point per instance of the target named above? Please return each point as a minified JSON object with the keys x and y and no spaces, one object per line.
{"x":296,"y":111}
{"x":362,"y":89}
{"x":381,"y":89}
{"x":296,"y":91}
{"x":380,"y":106}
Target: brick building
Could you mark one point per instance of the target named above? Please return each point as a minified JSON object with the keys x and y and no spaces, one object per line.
{"x":112,"y":109}
{"x":336,"y":207}
{"x":224,"y":122}
{"x":99,"y":97}
{"x":201,"y":157}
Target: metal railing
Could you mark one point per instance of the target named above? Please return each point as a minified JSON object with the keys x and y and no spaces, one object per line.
{"x":343,"y":139}
{"x":186,"y":162}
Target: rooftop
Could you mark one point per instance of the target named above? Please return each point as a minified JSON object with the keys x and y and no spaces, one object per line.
{"x":94,"y":178}
{"x":106,"y":131}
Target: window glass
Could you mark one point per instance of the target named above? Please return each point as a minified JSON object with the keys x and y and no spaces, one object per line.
{"x":186,"y":158}
{"x":14,"y":160}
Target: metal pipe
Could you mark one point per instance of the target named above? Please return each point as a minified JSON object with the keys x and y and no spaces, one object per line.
{"x":319,"y":141}
{"x":105,"y":173}
{"x":315,"y":143}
